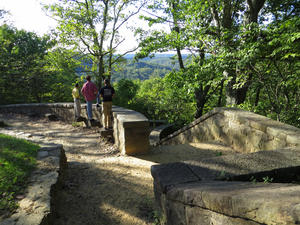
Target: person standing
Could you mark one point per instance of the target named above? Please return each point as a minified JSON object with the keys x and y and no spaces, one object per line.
{"x":77,"y":105}
{"x":89,"y":91}
{"x":107,"y":92}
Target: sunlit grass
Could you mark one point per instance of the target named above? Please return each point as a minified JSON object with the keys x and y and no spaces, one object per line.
{"x":17,"y":160}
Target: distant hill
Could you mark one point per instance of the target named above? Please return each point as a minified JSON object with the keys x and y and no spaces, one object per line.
{"x":157,"y":66}
{"x":143,"y":69}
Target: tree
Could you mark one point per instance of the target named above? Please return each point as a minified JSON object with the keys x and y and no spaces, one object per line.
{"x":22,"y":53}
{"x":93,"y":26}
{"x":235,"y":44}
{"x":63,"y":69}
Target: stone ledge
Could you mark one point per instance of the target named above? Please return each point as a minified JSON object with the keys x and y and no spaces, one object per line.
{"x":156,"y":133}
{"x":219,"y":189}
{"x":256,"y":203}
{"x":64,"y":111}
{"x":35,"y":208}
{"x":242,"y":130}
{"x":281,"y":165}
{"x":131,"y":131}
{"x":199,"y":192}
{"x":191,"y":125}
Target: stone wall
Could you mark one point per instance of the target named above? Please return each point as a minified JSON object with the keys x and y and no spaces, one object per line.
{"x":64,"y":111}
{"x":131,"y":129}
{"x":36,"y":208}
{"x":242,"y":130}
{"x":258,"y":185}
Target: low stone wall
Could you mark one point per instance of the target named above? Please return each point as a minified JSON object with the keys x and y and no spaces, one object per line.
{"x":36,"y":208}
{"x":131,"y":131}
{"x":242,"y":130}
{"x":64,"y":111}
{"x":157,"y":133}
{"x":259,"y":185}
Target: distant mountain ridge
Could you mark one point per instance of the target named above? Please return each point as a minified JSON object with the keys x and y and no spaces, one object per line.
{"x":158,"y":55}
{"x":143,"y":69}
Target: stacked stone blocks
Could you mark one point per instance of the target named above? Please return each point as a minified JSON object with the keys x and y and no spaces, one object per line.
{"x":254,"y":186}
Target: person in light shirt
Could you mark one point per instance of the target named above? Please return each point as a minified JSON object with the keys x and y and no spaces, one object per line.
{"x":77,"y":105}
{"x":89,"y":91}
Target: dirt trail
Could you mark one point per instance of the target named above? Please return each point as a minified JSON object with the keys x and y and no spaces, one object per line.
{"x":101,"y":186}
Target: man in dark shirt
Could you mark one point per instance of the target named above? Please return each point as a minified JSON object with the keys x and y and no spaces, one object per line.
{"x":107,"y":92}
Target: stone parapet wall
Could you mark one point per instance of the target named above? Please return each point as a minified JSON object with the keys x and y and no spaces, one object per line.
{"x":257,"y":185}
{"x":131,"y":131}
{"x":36,"y":208}
{"x":64,"y":111}
{"x":242,"y":130}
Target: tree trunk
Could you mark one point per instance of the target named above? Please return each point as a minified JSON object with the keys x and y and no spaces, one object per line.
{"x":221,"y":93}
{"x":257,"y":96}
{"x":236,"y":96}
{"x":177,"y":30}
{"x":201,"y":98}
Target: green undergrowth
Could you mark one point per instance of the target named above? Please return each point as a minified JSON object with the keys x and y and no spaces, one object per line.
{"x":17,"y":160}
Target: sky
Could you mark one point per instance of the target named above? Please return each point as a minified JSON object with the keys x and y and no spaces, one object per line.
{"x":28,"y":15}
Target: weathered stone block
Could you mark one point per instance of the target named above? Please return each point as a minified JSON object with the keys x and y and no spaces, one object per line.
{"x":260,"y":203}
{"x":273,"y":143}
{"x":199,"y":216}
{"x":175,"y":213}
{"x":255,"y":140}
{"x":131,"y":131}
{"x":293,"y":139}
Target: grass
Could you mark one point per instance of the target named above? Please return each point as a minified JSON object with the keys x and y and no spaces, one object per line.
{"x":76,"y":124}
{"x":17,"y":160}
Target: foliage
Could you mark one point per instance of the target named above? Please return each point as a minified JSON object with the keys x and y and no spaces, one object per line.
{"x":62,"y":65}
{"x":275,"y":89}
{"x":32,"y":70}
{"x":93,"y":27}
{"x":17,"y":160}
{"x":23,"y":78}
{"x":140,"y":70}
{"x":267,"y":179}
{"x":156,"y":99}
{"x":125,"y":92}
{"x":243,"y":53}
